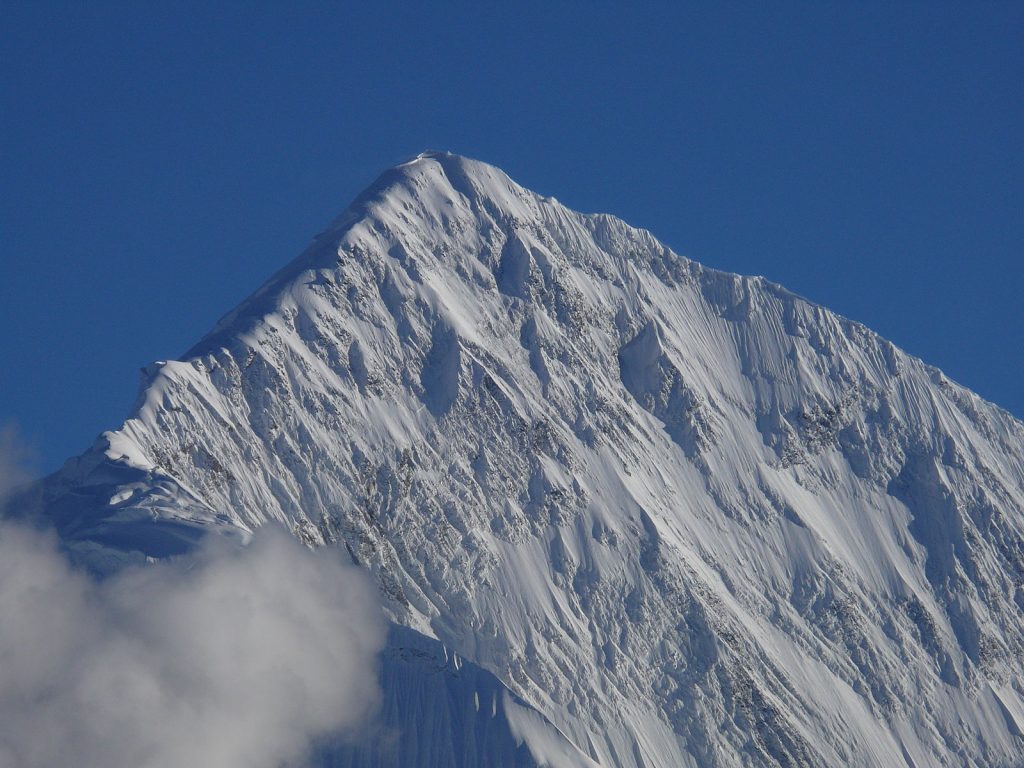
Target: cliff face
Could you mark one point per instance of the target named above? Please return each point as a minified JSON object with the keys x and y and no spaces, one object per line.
{"x":683,"y":516}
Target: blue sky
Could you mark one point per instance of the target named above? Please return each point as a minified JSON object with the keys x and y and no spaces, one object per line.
{"x":157,"y":165}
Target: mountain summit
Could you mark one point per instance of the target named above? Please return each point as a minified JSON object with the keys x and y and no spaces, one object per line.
{"x":623,"y":509}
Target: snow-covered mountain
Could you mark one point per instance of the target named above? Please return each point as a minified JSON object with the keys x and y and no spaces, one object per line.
{"x":635,"y":511}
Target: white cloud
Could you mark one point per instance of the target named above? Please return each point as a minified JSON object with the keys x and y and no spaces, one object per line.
{"x":232,"y":657}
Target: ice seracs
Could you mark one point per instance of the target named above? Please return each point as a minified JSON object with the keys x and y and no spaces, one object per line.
{"x":682,"y":517}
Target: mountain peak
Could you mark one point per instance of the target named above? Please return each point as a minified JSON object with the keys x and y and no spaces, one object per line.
{"x":449,"y":175}
{"x":424,"y":197}
{"x":431,"y":169}
{"x":685,"y":516}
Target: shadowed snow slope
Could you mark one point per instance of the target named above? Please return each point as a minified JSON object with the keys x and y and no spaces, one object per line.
{"x":685,"y":517}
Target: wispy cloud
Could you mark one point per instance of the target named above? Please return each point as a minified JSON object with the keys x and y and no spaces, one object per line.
{"x":232,"y":657}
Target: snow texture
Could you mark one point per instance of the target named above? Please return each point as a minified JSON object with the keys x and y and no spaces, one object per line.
{"x":684,"y":517}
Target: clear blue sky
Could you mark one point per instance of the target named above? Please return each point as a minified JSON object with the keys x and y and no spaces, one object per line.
{"x":158,"y":165}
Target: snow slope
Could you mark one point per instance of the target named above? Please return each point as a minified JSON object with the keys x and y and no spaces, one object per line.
{"x":440,"y":710}
{"x":685,"y":517}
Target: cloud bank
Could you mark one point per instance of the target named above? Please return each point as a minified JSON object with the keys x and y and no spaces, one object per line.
{"x":232,"y":657}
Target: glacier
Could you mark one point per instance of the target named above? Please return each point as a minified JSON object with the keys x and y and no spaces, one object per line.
{"x":622,"y":509}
